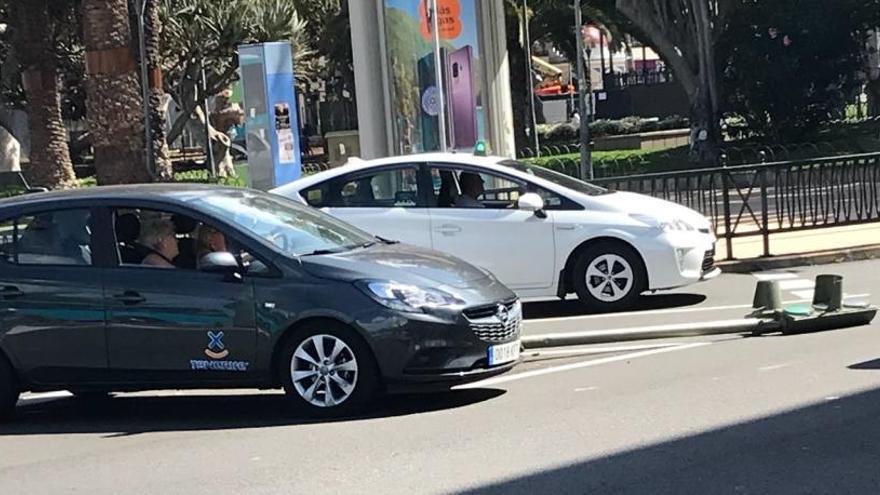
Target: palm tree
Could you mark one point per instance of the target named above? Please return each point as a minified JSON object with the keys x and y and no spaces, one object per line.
{"x":113,"y":93}
{"x":50,"y":164}
{"x":152,"y":40}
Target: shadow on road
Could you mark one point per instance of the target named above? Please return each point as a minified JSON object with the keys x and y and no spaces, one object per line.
{"x":561,"y":309}
{"x":127,"y":415}
{"x":831,"y":447}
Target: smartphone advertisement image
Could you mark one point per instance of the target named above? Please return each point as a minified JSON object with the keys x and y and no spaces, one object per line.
{"x":415,"y":93}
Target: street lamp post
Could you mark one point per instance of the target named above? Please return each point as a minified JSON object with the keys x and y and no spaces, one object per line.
{"x":145,"y":84}
{"x":533,"y":129}
{"x":438,"y":73}
{"x":584,"y":92}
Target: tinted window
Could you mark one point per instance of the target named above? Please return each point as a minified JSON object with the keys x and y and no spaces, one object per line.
{"x":159,"y":239}
{"x":397,"y":187}
{"x":292,"y":228}
{"x":452,"y":186}
{"x":48,"y":238}
{"x":556,"y":178}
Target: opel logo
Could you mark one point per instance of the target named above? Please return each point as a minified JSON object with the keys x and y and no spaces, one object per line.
{"x":502,"y":314}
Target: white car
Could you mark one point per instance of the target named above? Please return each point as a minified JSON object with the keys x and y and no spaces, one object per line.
{"x":543,"y":234}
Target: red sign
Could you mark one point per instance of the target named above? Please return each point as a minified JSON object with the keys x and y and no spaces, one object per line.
{"x":448,"y":19}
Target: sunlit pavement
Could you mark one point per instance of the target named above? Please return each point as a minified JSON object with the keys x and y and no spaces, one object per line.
{"x":729,"y":414}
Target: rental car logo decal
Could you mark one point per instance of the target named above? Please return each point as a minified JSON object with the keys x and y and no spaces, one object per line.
{"x":218,"y":352}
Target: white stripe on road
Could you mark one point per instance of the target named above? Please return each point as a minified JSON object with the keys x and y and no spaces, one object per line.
{"x":574,"y":366}
{"x":796,"y":284}
{"x":46,"y":396}
{"x":599,"y":350}
{"x":774,"y":276}
{"x":807,"y":295}
{"x":671,"y":311}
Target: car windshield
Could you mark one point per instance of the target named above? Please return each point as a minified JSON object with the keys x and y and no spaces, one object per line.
{"x":556,"y":178}
{"x":294,"y":229}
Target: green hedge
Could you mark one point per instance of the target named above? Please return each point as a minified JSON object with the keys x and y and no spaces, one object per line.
{"x":569,"y":134}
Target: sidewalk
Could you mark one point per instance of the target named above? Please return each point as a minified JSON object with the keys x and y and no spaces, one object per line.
{"x":807,"y":247}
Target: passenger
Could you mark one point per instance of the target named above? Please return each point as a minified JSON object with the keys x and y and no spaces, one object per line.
{"x":471,"y":189}
{"x":210,"y":241}
{"x":157,"y":234}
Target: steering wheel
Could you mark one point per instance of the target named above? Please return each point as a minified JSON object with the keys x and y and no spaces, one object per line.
{"x":278,"y":238}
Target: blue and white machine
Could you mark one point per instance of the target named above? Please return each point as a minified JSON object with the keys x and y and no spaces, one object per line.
{"x":271,"y":124}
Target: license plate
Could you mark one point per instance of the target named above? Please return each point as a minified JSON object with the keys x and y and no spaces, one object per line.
{"x":504,"y":353}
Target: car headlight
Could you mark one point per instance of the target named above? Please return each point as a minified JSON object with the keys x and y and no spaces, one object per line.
{"x":675,"y":225}
{"x":410,"y":298}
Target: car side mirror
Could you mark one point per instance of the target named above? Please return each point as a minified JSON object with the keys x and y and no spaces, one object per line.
{"x":223,"y":263}
{"x":532,"y":202}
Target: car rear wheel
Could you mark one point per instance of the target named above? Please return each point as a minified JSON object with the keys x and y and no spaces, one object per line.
{"x":609,"y":276}
{"x":328,"y":371}
{"x":8,"y":389}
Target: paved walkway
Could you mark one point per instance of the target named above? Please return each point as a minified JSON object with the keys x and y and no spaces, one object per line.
{"x":803,"y":242}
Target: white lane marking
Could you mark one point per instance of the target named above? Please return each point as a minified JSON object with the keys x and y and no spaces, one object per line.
{"x":743,"y":323}
{"x":568,"y":367}
{"x":45,"y":396}
{"x":807,"y":295}
{"x":796,"y":284}
{"x":639,"y":313}
{"x":586,"y":389}
{"x":774,"y":276}
{"x":667,"y":311}
{"x":599,"y":350}
{"x":773,"y":367}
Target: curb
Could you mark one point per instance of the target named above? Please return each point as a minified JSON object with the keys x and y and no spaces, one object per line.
{"x":643,"y":333}
{"x":805,"y":259}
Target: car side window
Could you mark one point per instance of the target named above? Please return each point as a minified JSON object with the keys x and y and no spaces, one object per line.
{"x":389,"y":188}
{"x":465,"y":188}
{"x":62,"y":237}
{"x":158,"y":239}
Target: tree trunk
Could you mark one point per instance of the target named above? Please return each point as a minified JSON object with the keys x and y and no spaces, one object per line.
{"x":152,"y":36}
{"x":113,"y":94}
{"x":50,"y":165}
{"x":705,"y":126}
{"x":873,"y":91}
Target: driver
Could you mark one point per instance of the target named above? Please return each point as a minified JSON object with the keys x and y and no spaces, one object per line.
{"x":471,"y":189}
{"x":210,"y":240}
{"x":157,"y":234}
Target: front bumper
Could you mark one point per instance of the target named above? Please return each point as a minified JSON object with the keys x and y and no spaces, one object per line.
{"x":681,"y":258}
{"x":427,"y":352}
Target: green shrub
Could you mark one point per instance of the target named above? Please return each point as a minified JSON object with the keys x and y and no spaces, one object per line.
{"x":568,"y":134}
{"x":204,"y":177}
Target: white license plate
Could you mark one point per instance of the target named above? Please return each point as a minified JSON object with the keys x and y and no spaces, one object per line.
{"x":504,"y":353}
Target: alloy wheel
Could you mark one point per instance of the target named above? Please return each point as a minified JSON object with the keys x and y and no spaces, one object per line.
{"x":609,"y":278}
{"x":324,"y":370}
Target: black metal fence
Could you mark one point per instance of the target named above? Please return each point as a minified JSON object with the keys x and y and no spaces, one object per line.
{"x":770,"y":198}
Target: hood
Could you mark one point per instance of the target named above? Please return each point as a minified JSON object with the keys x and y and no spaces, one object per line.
{"x":640,"y":204}
{"x":397,"y":262}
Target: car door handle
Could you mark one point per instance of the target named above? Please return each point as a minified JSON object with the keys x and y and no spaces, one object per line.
{"x":448,"y":229}
{"x":10,"y":292}
{"x":129,"y":297}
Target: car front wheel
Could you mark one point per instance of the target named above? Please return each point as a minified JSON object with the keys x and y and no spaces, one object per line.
{"x":328,"y":371}
{"x":609,"y":276}
{"x":8,"y":388}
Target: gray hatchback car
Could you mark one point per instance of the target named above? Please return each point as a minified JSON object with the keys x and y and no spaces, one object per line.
{"x":189,"y":286}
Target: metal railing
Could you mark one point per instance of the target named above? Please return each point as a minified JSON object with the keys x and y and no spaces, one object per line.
{"x":766,"y":199}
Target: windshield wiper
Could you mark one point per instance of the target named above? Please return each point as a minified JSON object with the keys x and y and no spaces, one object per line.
{"x":319,"y":252}
{"x":387,"y":241}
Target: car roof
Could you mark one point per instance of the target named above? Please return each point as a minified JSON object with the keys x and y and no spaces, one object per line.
{"x":174,"y":193}
{"x":356,"y":164}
